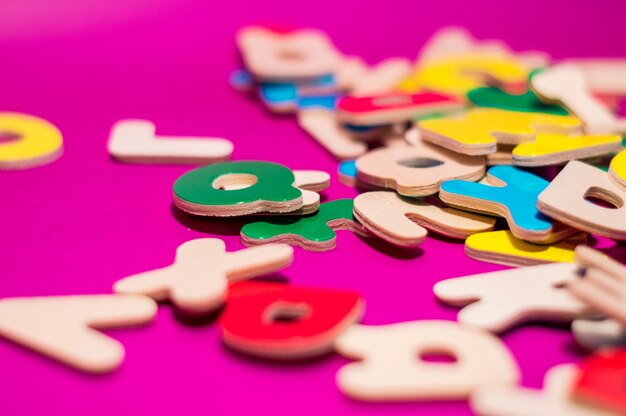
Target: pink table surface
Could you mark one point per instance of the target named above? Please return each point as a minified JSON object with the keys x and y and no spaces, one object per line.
{"x":83,"y":222}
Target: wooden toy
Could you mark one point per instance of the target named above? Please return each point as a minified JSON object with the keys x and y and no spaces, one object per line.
{"x":65,"y":327}
{"x":567,"y":85}
{"x":404,"y":221}
{"x":197,"y":282}
{"x":459,"y":74}
{"x":565,"y":200}
{"x":346,"y":173}
{"x":496,"y":98}
{"x":456,"y":75}
{"x":244,"y":188}
{"x":603,"y":285}
{"x":314,"y":232}
{"x":302,"y":54}
{"x":322,"y":125}
{"x":501,"y":247}
{"x":554,"y":399}
{"x":601,"y":380}
{"x":588,"y":258}
{"x":479,"y":130}
{"x":510,"y":193}
{"x":593,"y":335}
{"x":454,"y":60}
{"x":134,"y":141}
{"x":454,"y":41}
{"x":554,"y":149}
{"x":392,"y":365}
{"x":29,"y":141}
{"x":381,"y":79}
{"x":417,"y":169}
{"x":393,"y":107}
{"x":500,"y":300}
{"x":311,"y":180}
{"x":617,"y":169}
{"x":603,"y":76}
{"x":279,"y":321}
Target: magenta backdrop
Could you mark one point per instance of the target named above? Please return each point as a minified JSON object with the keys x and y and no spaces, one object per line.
{"x":83,"y":222}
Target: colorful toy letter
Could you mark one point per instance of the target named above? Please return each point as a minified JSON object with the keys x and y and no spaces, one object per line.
{"x":478,"y":131}
{"x":512,"y":193}
{"x":565,"y":200}
{"x":280,"y":321}
{"x":260,"y":187}
{"x":314,"y":232}
{"x":501,"y":247}
{"x":32,"y":141}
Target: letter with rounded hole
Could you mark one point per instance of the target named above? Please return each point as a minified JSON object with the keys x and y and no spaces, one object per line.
{"x":32,"y":141}
{"x":393,"y":365}
{"x":279,"y":321}
{"x":418,"y":169}
{"x":567,"y":199}
{"x":237,"y":188}
{"x":296,"y":55}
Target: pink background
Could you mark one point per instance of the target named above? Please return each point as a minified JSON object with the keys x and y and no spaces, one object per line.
{"x":83,"y":222}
